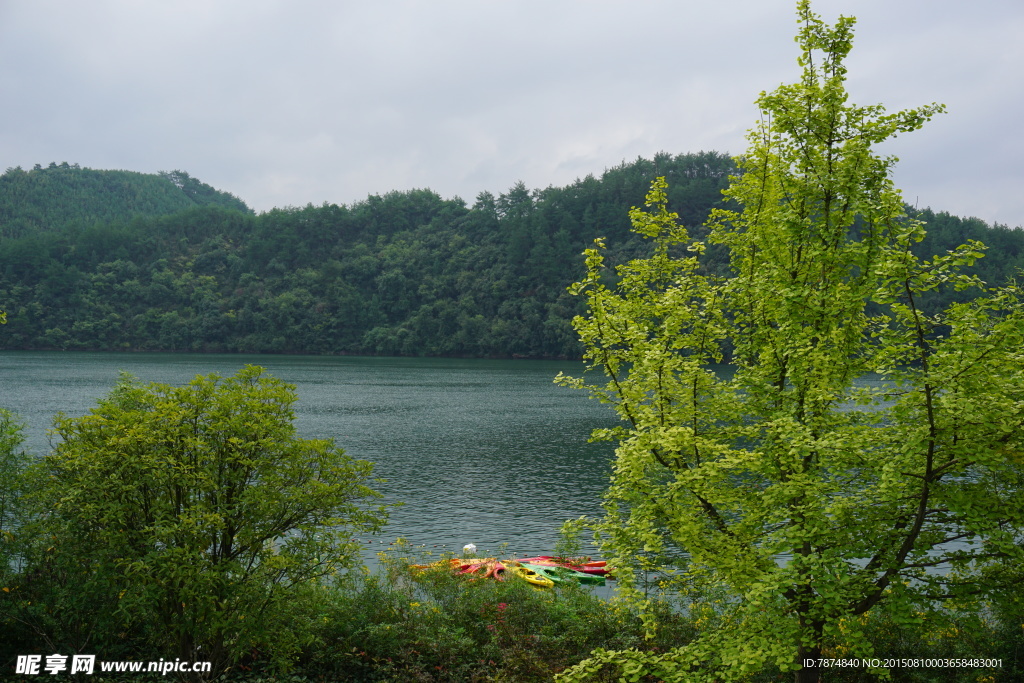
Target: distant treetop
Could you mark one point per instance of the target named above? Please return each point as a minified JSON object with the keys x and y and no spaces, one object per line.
{"x":59,"y":195}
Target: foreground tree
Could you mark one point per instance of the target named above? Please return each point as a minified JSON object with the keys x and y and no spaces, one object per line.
{"x":804,"y":495}
{"x":194,"y":517}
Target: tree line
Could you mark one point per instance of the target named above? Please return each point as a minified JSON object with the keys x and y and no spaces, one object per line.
{"x":122,"y":261}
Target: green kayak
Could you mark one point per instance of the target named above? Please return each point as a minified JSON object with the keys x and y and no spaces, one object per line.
{"x":563,"y":575}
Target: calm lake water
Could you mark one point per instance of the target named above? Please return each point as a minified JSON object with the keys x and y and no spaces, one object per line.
{"x":479,"y":451}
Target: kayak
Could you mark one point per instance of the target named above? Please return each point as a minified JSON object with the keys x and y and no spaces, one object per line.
{"x":562,"y":575}
{"x":488,"y":567}
{"x":529,"y":574}
{"x":598,"y":568}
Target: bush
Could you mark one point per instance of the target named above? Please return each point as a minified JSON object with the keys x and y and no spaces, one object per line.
{"x":189,"y":520}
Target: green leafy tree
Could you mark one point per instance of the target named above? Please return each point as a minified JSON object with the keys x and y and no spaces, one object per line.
{"x":804,"y":497}
{"x":197,"y":516}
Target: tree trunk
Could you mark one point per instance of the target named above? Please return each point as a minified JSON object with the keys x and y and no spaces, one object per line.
{"x":807,"y":674}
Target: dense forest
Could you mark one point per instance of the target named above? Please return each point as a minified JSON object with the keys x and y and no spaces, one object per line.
{"x":117,"y":260}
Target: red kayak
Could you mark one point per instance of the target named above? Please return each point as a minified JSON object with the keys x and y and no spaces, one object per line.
{"x":588,"y":567}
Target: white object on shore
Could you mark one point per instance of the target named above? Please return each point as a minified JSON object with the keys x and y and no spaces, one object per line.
{"x":469,"y":549}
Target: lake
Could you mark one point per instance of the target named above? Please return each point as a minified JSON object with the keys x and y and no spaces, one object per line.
{"x":488,"y":452}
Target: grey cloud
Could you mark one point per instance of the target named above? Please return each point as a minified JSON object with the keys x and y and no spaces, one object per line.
{"x":285,"y":103}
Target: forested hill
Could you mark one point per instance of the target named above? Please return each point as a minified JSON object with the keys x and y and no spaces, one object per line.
{"x":61,"y":196}
{"x":407,"y":273}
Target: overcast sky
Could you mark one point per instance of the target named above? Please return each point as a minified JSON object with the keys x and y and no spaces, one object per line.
{"x":284,"y":103}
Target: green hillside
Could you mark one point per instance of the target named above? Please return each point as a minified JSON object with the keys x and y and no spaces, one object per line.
{"x":60,"y":196}
{"x":406,"y":273}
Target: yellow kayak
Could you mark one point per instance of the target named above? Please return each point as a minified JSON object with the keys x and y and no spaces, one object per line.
{"x":529,"y":575}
